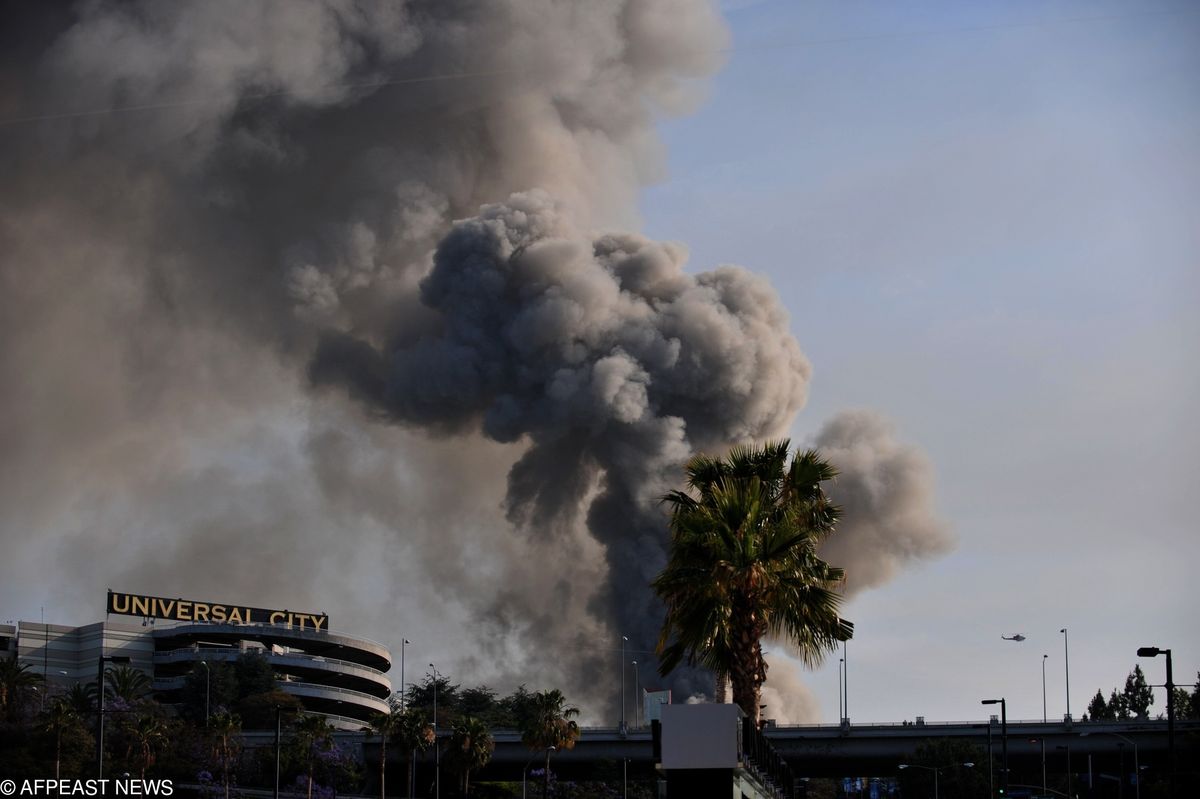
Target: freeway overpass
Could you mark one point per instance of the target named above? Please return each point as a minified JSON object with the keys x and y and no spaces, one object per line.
{"x":875,"y":749}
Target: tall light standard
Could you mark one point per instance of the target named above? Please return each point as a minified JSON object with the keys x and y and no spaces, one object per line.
{"x":841,"y":664}
{"x":403,"y":688}
{"x":1044,"y":657}
{"x":1003,"y":738}
{"x":624,"y":640}
{"x":1044,"y":688}
{"x":207,"y":689}
{"x":100,"y":726}
{"x":525,"y":768}
{"x":1152,"y":652}
{"x":1067,"y":749}
{"x":846,"y":673}
{"x":637,"y":696}
{"x":1067,"y":670}
{"x":1137,"y":770}
{"x":437,"y":750}
{"x":279,"y":711}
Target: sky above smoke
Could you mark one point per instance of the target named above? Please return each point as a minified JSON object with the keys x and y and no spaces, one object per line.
{"x":338,"y":305}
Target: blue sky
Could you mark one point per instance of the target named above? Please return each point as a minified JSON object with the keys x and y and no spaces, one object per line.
{"x":983,"y":220}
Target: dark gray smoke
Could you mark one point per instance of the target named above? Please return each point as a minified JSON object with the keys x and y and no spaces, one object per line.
{"x":601,"y":353}
{"x":203,"y":204}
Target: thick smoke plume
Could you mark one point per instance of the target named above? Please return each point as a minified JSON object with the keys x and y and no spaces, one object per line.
{"x":208,"y":206}
{"x":601,"y":353}
{"x":885,"y":489}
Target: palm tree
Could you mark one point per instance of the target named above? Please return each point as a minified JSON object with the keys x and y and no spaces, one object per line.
{"x":125,"y":683}
{"x":312,"y":731}
{"x":385,"y":726}
{"x":550,"y":726}
{"x":60,"y":715}
{"x":470,"y":749}
{"x":412,"y":734}
{"x":17,"y":686}
{"x":146,"y":737}
{"x":224,"y":729}
{"x":82,"y":698}
{"x":744,"y":565}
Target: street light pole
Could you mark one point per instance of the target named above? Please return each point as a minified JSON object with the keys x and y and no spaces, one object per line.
{"x":623,"y":641}
{"x":207,"y":689}
{"x":403,"y":689}
{"x":279,"y":710}
{"x":841,"y":662}
{"x":1067,"y":670}
{"x":1003,"y":736}
{"x":437,"y":750}
{"x":1137,"y":769}
{"x":1044,"y":688}
{"x":637,"y":696}
{"x":846,"y":670}
{"x":1150,"y":652}
{"x":100,"y":689}
{"x":927,"y":768}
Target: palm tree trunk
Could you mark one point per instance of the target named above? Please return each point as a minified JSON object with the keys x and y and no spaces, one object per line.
{"x":546,"y":776}
{"x":722,"y":692}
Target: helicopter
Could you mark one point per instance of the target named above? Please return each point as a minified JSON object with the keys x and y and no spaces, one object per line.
{"x":1014,"y":637}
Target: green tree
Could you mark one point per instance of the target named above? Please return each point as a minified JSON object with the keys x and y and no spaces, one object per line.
{"x":1137,"y":694}
{"x":216,"y":687}
{"x":1182,"y":702}
{"x":744,"y":565}
{"x":224,"y":730}
{"x":549,"y":726}
{"x":82,"y":698}
{"x":254,"y":674}
{"x":1194,"y":701}
{"x":385,"y":725}
{"x":147,"y":735}
{"x":1117,"y":709}
{"x":480,"y":703}
{"x":413,"y":734}
{"x":470,"y":748}
{"x":258,"y":710}
{"x":60,"y":722}
{"x":125,"y":683}
{"x":1098,"y":709}
{"x":18,"y":689}
{"x":421,"y":695}
{"x":313,"y":736}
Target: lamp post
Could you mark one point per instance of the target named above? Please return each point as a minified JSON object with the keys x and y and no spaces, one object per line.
{"x":1068,"y":751}
{"x":1151,"y":652}
{"x":935,"y":770}
{"x":841,"y":663}
{"x":1067,"y":670}
{"x":1003,"y":738}
{"x":846,"y":683}
{"x":437,"y":750}
{"x":279,"y":711}
{"x":207,"y":689}
{"x":403,"y":688}
{"x":624,"y":640}
{"x":100,"y":725}
{"x":637,"y":696}
{"x":1044,"y":657}
{"x":927,"y":768}
{"x":525,"y":769}
{"x":1136,"y":765}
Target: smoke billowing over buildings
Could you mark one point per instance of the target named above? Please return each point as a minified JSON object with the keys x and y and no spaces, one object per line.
{"x":329,"y":302}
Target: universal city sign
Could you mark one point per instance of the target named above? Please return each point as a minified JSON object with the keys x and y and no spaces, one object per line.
{"x":157,"y":607}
